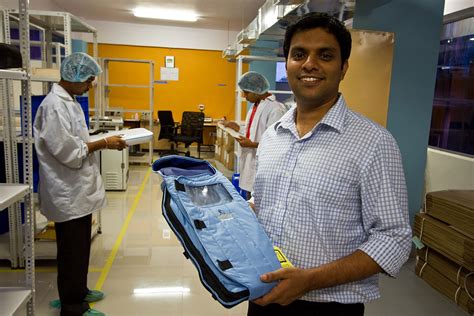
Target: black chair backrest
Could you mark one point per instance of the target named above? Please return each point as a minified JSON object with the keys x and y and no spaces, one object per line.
{"x":167,"y":125}
{"x":192,"y":124}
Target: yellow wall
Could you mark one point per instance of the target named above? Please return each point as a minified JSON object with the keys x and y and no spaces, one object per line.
{"x":204,"y":78}
{"x":207,"y":78}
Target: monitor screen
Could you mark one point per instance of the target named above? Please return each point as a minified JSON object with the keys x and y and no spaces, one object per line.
{"x":280,"y":72}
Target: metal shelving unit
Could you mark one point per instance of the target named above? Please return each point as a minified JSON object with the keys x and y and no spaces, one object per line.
{"x":12,"y":192}
{"x":48,"y":23}
{"x":106,"y":88}
{"x":13,"y":298}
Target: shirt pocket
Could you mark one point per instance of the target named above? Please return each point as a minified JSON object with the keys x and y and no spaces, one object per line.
{"x":329,"y":190}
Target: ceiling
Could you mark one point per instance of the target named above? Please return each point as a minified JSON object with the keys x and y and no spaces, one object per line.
{"x":231,"y":15}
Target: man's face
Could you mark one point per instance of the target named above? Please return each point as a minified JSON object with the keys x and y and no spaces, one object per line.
{"x":250,"y":96}
{"x":79,"y":88}
{"x":314,"y":67}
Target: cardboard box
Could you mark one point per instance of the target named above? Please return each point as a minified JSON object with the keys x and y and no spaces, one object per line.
{"x":445,"y":286}
{"x":454,"y":207}
{"x":445,"y":240}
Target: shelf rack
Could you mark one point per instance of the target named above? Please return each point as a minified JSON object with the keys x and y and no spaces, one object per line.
{"x":48,"y":23}
{"x":105,"y":92}
{"x":13,"y":298}
{"x":13,"y":191}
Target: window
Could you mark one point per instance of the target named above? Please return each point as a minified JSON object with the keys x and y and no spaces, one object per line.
{"x":452,"y":120}
{"x":208,"y":195}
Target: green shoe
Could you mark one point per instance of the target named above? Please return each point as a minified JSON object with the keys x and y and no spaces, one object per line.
{"x":92,"y":296}
{"x":55,"y":304}
{"x":93,"y":312}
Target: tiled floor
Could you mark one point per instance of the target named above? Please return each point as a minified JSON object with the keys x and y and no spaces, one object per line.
{"x":137,"y":250}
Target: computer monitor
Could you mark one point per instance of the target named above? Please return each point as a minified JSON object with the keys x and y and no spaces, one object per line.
{"x":280,"y":75}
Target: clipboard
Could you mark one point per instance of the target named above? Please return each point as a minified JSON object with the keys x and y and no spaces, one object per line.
{"x":233,"y":133}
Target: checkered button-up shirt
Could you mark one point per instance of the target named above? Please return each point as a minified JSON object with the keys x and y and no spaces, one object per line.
{"x":339,"y":188}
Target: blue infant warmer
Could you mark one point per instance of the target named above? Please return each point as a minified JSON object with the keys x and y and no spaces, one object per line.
{"x":217,"y":228}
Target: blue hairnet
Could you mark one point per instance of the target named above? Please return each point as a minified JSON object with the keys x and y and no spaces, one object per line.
{"x":253,"y":82}
{"x":78,"y":67}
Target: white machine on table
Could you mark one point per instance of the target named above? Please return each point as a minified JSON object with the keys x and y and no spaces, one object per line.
{"x":114,"y":163}
{"x":108,"y":122}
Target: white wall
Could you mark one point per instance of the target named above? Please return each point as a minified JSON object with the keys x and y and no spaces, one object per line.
{"x":161,"y":36}
{"x":451,"y":6}
{"x":448,"y":171}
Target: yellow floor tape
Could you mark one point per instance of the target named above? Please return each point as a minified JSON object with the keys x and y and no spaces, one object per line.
{"x":118,"y":241}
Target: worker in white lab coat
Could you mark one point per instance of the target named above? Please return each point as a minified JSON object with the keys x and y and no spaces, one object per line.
{"x":265,"y":111}
{"x":70,"y":184}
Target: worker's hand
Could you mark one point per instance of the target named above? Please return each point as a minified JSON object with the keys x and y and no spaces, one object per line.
{"x":246,"y":142}
{"x":232,"y":125}
{"x":115,"y":142}
{"x":293,"y":283}
{"x":252,"y":206}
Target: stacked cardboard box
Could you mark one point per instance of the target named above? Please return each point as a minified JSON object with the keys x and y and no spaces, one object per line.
{"x":447,"y":260}
{"x":219,"y":142}
{"x":455,"y":207}
{"x":224,"y":149}
{"x":229,"y":151}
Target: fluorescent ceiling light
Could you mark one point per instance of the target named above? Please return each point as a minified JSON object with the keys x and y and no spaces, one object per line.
{"x":162,"y":290}
{"x":165,"y":14}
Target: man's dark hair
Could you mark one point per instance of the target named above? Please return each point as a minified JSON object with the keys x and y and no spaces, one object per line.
{"x":329,"y":23}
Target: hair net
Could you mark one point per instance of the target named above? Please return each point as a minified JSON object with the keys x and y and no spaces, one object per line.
{"x":254,"y":82}
{"x":78,"y":67}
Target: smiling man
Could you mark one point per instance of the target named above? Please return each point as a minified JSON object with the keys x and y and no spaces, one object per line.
{"x":330,"y":188}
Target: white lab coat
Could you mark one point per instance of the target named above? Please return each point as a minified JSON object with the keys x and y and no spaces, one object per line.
{"x":70,"y":184}
{"x":268,"y":112}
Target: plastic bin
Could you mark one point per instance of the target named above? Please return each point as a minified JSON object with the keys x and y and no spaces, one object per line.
{"x":235,"y":182}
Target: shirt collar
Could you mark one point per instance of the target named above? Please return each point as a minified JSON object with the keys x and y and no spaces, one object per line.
{"x":333,"y":118}
{"x":61,"y":92}
{"x":271,"y":97}
{"x":336,"y":115}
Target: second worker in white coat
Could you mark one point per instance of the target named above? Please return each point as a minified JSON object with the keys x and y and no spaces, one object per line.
{"x":265,"y":111}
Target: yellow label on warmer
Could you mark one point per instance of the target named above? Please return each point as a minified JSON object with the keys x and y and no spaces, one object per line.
{"x":285,"y":263}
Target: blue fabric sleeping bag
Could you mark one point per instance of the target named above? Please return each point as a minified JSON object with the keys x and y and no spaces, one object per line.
{"x":217,"y":228}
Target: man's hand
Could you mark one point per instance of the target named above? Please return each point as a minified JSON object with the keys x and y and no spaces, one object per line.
{"x":252,"y":206}
{"x":246,"y":142}
{"x":232,"y":125}
{"x":115,"y":142}
{"x":293,"y":284}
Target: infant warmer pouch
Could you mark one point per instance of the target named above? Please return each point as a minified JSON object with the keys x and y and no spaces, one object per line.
{"x":217,"y":228}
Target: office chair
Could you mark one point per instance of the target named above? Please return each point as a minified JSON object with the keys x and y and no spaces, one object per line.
{"x":167,"y":130}
{"x":191,"y":127}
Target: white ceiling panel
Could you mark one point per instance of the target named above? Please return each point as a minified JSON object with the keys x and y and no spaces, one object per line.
{"x":214,"y":14}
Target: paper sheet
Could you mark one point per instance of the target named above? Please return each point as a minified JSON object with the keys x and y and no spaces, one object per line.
{"x":233,"y":133}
